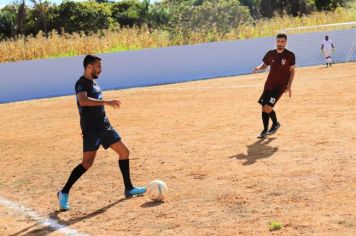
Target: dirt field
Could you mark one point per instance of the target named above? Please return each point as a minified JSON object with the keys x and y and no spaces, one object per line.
{"x":200,"y":138}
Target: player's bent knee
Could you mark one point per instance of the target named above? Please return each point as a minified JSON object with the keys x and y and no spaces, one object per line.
{"x":87,"y":165}
{"x":268,"y":109}
{"x":124,"y":154}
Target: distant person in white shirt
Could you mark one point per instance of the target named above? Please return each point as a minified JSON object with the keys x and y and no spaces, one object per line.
{"x":327,"y":48}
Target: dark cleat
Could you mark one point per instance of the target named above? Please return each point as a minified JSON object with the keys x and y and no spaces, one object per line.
{"x":263,"y":134}
{"x":274,"y":129}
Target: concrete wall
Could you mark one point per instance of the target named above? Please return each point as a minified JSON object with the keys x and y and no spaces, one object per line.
{"x":53,"y":77}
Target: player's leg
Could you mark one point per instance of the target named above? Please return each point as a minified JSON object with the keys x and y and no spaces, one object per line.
{"x":77,"y":172}
{"x":124,"y":163}
{"x":265,"y":121}
{"x":270,"y":100}
{"x":265,"y":117}
{"x":91,"y":144}
{"x":272,"y":114}
{"x":111,"y":138}
{"x":327,"y":54}
{"x":329,"y":61}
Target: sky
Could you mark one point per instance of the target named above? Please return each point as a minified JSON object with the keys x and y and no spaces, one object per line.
{"x":6,"y":2}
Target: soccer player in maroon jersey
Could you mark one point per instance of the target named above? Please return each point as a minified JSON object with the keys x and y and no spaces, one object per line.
{"x":279,"y":80}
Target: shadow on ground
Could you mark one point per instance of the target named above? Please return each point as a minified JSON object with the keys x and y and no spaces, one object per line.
{"x":56,"y":216}
{"x":151,"y":204}
{"x":256,"y":151}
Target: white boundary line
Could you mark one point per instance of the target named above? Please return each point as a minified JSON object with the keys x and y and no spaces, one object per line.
{"x":64,"y":229}
{"x":164,"y":87}
{"x":320,"y":26}
{"x":158,"y":87}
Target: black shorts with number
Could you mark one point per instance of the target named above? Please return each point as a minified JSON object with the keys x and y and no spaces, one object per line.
{"x":270,"y":97}
{"x":105,"y":137}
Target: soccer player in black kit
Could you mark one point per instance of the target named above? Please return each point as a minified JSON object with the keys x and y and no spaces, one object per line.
{"x":279,"y":80}
{"x":96,"y":130}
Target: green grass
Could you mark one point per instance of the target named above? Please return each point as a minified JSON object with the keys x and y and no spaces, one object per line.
{"x":275,"y":225}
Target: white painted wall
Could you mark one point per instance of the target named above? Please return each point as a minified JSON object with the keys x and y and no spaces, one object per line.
{"x":53,"y":77}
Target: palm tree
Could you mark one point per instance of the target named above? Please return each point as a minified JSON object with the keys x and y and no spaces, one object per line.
{"x":21,"y":17}
{"x":40,"y":14}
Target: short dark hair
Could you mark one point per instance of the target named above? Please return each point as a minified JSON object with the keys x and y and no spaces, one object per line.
{"x":90,"y":59}
{"x":281,"y":35}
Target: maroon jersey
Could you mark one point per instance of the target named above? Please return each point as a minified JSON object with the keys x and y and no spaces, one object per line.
{"x":279,"y":74}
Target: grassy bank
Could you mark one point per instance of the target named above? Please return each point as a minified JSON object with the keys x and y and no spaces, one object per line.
{"x":56,"y":45}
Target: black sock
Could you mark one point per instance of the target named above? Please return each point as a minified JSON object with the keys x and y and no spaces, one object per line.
{"x":125,"y":171}
{"x":265,"y":119}
{"x":78,"y":171}
{"x":273,"y":117}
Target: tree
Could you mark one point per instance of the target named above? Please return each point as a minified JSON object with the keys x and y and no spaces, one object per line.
{"x":83,"y":16}
{"x":7,"y":22}
{"x":220,"y":16}
{"x":327,"y":5}
{"x":253,"y":5}
{"x":21,"y":18}
{"x":266,"y":8}
{"x":39,"y":16}
{"x":158,"y":16}
{"x":130,"y":12}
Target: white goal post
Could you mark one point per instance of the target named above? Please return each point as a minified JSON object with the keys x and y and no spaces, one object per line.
{"x":322,"y":28}
{"x":306,"y":42}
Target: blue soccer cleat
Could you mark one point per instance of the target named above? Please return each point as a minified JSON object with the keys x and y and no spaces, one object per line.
{"x":135,"y":191}
{"x":63,"y":201}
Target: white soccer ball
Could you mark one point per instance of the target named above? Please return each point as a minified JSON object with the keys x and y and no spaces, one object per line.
{"x":157,"y":190}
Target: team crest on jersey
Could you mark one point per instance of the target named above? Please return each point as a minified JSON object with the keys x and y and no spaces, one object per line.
{"x":283,"y":62}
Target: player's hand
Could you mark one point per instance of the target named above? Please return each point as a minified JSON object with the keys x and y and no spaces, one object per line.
{"x":289,"y":90}
{"x":257,"y":68}
{"x":114,"y":103}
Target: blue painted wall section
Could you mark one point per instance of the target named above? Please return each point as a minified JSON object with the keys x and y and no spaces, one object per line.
{"x":54,"y":77}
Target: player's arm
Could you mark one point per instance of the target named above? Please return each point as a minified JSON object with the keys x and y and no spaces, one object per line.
{"x":86,"y":101}
{"x":260,"y":67}
{"x":266,"y":61}
{"x":289,"y":86}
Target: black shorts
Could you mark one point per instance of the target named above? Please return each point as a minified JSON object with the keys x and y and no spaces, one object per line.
{"x":270,"y":97}
{"x":105,"y":137}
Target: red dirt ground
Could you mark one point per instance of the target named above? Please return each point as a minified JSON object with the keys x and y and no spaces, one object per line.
{"x":200,"y":138}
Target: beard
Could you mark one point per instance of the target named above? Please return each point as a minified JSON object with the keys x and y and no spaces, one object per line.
{"x":95,"y":76}
{"x":280,"y":47}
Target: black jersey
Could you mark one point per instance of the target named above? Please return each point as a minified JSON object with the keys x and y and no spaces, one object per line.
{"x":92,"y":118}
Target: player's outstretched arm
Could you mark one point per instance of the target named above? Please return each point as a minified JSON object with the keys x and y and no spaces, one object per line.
{"x":260,"y":67}
{"x":84,"y":100}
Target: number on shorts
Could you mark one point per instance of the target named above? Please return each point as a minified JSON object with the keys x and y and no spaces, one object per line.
{"x":272,"y":100}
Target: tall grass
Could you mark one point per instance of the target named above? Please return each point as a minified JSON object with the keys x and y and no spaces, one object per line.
{"x":55,"y":45}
